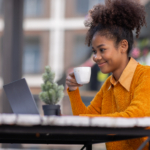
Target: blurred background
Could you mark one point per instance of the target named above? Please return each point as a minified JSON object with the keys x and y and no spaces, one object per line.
{"x":36,"y":33}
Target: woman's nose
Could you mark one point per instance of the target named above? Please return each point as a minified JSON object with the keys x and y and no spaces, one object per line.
{"x":97,"y":57}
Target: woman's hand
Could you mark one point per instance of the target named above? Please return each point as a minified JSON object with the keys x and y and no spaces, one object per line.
{"x":71,"y":82}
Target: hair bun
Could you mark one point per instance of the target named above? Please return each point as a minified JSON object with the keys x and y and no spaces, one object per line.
{"x":124,"y":13}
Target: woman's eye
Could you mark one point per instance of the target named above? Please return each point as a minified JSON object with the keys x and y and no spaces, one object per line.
{"x":102,"y":50}
{"x":93,"y":51}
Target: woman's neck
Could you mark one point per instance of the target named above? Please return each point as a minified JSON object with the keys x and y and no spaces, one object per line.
{"x":118,"y":72}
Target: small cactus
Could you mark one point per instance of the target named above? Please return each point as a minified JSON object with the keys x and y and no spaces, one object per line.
{"x":51,"y":93}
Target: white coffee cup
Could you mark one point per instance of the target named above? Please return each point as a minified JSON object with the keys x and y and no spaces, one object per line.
{"x":82,"y":74}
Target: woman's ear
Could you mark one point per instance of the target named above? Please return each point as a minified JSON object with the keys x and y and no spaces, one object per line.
{"x":124,"y":46}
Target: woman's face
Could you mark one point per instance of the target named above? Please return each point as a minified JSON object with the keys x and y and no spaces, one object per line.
{"x":105,"y":54}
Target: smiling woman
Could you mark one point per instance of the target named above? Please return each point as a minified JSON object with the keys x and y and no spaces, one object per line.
{"x":125,"y":93}
{"x":108,"y":57}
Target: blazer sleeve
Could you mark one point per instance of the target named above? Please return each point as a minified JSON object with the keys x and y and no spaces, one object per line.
{"x":140,"y":104}
{"x":78,"y":107}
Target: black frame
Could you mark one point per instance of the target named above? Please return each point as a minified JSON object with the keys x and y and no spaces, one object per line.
{"x":69,"y":135}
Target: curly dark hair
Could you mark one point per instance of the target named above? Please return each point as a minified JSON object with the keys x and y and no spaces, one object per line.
{"x":117,"y":19}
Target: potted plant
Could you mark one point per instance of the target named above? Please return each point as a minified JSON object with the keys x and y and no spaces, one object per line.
{"x":51,"y":93}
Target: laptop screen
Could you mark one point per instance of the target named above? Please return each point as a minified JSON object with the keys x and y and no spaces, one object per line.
{"x":20,"y":97}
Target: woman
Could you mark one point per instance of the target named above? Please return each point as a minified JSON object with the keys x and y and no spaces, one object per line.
{"x":126,"y":92}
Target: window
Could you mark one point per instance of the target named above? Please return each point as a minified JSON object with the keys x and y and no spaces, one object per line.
{"x":95,"y":2}
{"x":75,"y":49}
{"x":80,"y":51}
{"x":36,"y":8}
{"x":33,"y":8}
{"x":79,"y":8}
{"x":32,"y":56}
{"x":82,"y":6}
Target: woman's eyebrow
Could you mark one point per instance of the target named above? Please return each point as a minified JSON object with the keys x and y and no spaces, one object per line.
{"x":100,"y":45}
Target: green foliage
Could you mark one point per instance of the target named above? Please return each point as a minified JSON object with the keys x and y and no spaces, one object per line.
{"x":51,"y":93}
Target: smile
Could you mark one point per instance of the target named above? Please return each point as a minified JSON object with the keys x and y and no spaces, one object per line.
{"x":102,"y":64}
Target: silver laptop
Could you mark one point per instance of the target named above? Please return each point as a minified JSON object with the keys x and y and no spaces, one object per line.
{"x":20,"y":97}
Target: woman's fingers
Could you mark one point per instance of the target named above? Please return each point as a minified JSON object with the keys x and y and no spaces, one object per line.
{"x":71,"y":78}
{"x":72,"y":75}
{"x":71,"y":82}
